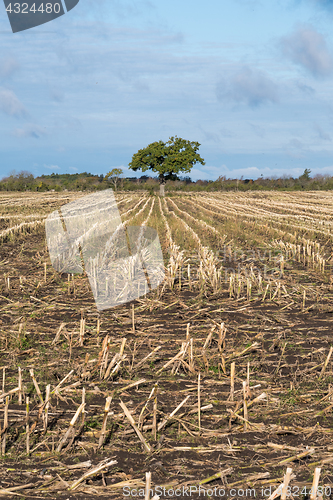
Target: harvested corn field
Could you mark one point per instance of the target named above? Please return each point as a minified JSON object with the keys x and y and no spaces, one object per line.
{"x":213,"y":384}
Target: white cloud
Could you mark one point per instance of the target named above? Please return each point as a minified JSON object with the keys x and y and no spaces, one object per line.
{"x":207,"y":172}
{"x":258,"y":130}
{"x":10,"y":104}
{"x":295,"y":148}
{"x":57,"y":95}
{"x":29,"y":131}
{"x":51,"y":167}
{"x":249,"y":86}
{"x":325,"y":4}
{"x":307,"y":48}
{"x":214,"y":173}
{"x":8,"y":66}
{"x":210,"y":136}
{"x":305,"y":88}
{"x":321,"y":133}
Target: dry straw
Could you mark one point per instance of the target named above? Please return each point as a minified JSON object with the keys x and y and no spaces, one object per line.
{"x":70,"y":429}
{"x":326,"y":362}
{"x":132,"y":422}
{"x":36,"y":385}
{"x":106,"y":412}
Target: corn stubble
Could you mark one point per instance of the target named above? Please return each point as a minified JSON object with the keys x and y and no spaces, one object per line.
{"x":234,"y":292}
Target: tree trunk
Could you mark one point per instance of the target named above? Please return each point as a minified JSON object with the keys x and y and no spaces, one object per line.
{"x":162,"y":192}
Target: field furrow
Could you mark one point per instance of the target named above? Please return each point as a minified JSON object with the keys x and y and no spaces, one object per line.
{"x":225,"y":366}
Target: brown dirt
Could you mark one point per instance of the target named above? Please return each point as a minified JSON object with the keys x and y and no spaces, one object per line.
{"x":286,"y":363}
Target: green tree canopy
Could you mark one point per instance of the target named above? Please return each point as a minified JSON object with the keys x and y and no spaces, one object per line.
{"x":113,"y":176}
{"x":167,"y":158}
{"x":306,"y":175}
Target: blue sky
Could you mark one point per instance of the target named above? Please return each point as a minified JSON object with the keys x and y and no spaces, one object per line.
{"x":250,"y":80}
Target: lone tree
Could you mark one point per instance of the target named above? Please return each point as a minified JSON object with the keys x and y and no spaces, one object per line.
{"x":167,"y":158}
{"x":305,"y":175}
{"x":114,"y":176}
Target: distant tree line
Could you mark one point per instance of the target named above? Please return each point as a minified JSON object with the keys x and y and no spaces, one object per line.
{"x":25,"y":181}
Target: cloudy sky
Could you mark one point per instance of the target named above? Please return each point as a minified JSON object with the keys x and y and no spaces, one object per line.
{"x":250,"y":80}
